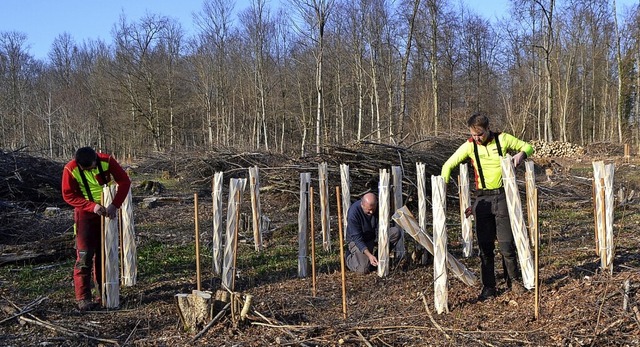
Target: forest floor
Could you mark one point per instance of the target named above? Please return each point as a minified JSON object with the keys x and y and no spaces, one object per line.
{"x":580,"y":305}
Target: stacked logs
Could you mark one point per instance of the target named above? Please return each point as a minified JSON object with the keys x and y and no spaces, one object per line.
{"x":557,"y":149}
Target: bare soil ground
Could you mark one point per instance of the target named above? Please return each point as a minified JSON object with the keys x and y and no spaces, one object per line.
{"x":579,"y":304}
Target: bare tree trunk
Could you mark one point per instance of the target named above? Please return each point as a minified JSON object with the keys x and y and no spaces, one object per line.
{"x":405,"y":64}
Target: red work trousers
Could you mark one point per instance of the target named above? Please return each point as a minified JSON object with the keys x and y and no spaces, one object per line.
{"x":88,"y":254}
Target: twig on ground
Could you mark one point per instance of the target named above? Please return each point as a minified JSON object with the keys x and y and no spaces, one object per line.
{"x":215,"y":319}
{"x":363,"y":339}
{"x":426,"y":306}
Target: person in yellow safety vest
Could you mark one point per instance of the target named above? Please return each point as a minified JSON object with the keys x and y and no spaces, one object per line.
{"x":486,"y":148}
{"x":82,"y":181}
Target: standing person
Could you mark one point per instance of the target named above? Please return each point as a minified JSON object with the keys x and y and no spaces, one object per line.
{"x":486,"y":148}
{"x":362,"y":234}
{"x":82,"y":182}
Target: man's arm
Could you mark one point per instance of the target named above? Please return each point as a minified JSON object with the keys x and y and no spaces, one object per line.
{"x":456,"y":158}
{"x":122,"y":179}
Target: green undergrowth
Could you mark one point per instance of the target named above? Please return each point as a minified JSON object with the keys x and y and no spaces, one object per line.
{"x":37,"y":280}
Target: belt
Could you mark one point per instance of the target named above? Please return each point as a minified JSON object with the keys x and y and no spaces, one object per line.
{"x":483,"y":192}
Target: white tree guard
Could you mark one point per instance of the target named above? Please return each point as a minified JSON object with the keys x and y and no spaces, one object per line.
{"x":383,"y":224}
{"x":603,"y":176}
{"x":422,"y":196}
{"x":530,"y":183}
{"x":345,"y":183}
{"x":609,"y":206}
{"x":236,"y":185}
{"x":518,"y":227}
{"x":323,"y":178}
{"x":111,"y":288}
{"x":216,"y":195}
{"x":600,"y":216}
{"x":396,"y":172}
{"x":407,"y":221}
{"x":303,"y":222}
{"x":254,"y":178}
{"x":465,"y":201}
{"x":130,"y":265}
{"x":439,"y":203}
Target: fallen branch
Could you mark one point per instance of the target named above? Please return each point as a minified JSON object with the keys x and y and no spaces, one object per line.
{"x":66,"y":331}
{"x":363,"y":339}
{"x":215,"y":319}
{"x":426,"y":306}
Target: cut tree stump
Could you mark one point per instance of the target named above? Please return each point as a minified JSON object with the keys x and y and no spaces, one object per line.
{"x":195,"y":309}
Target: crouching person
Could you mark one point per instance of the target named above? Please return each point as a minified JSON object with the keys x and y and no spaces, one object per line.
{"x":362,"y":235}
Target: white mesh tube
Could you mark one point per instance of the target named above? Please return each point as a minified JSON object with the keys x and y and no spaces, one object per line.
{"x":345,"y":183}
{"x":383,"y":224}
{"x":465,"y":202}
{"x":518,"y":227}
{"x":407,"y":221}
{"x":129,"y":266}
{"x":111,"y":289}
{"x":254,"y":179}
{"x":438,"y":198}
{"x":323,"y":178}
{"x":396,"y":172}
{"x":236,"y":185}
{"x":303,"y":222}
{"x":216,"y":195}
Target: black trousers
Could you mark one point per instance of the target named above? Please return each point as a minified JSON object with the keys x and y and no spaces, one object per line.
{"x":492,"y":222}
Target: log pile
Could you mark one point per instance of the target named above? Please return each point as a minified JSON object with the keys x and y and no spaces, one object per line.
{"x":557,"y":149}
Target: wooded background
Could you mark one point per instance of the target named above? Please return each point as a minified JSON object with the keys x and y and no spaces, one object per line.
{"x":312,"y":73}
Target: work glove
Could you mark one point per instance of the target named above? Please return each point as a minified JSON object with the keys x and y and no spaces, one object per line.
{"x":518,"y":158}
{"x":111,"y":211}
{"x":99,"y":210}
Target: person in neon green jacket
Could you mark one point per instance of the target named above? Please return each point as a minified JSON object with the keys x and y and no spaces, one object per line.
{"x":485,"y":148}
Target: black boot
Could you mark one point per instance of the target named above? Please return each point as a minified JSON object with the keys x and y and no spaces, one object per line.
{"x":487,"y":293}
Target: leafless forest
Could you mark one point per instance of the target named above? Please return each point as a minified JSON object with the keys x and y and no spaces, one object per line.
{"x":312,"y":73}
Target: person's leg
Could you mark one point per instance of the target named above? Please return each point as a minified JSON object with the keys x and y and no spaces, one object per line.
{"x":506,"y":242}
{"x":486,"y":234}
{"x":356,"y":260}
{"x":87,"y":226}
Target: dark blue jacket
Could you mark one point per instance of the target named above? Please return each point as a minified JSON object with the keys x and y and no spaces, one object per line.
{"x":361,"y":228}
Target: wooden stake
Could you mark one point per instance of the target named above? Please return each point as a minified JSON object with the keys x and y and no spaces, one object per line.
{"x":341,"y":237}
{"x":195,"y":217}
{"x":313,"y":243}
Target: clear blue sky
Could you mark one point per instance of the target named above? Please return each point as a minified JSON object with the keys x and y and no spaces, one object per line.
{"x":43,"y":20}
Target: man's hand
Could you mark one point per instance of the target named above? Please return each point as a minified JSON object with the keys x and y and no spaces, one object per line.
{"x":99,"y":210}
{"x":372,"y":258}
{"x":111,"y":211}
{"x":518,"y":158}
{"x":468,"y":212}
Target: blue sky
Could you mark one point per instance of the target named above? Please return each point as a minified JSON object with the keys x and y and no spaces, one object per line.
{"x":43,"y":20}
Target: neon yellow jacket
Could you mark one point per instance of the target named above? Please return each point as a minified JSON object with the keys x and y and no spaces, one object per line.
{"x":489,"y":159}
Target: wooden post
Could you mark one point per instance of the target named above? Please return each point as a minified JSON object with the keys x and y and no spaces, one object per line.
{"x":313,"y":243}
{"x":195,"y":218}
{"x":342,"y":269}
